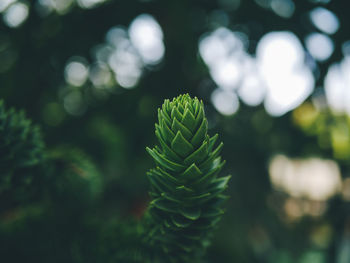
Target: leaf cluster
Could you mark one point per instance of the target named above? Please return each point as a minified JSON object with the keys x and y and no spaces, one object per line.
{"x":186,"y":190}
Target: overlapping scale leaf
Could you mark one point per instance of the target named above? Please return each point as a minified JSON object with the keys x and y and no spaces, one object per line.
{"x":186,"y":191}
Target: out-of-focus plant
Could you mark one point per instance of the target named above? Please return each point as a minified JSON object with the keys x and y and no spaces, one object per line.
{"x":21,"y":154}
{"x":331,"y":129}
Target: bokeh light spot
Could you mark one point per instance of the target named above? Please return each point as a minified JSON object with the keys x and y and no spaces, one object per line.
{"x":116,"y":36}
{"x":223,"y":52}
{"x":76,"y":72}
{"x":324,"y":20}
{"x":147,"y":37}
{"x":346,"y":48}
{"x":320,"y":46}
{"x":263,"y":3}
{"x":60,"y":6}
{"x":126,"y":65}
{"x":313,"y":178}
{"x":252,"y":91}
{"x":4,"y":4}
{"x":278,"y":74}
{"x":219,"y":45}
{"x":283,"y":8}
{"x":226,"y":73}
{"x":16,"y":14}
{"x":281,"y":63}
{"x":225,"y":102}
{"x":336,"y":84}
{"x":279,"y":50}
{"x":100,"y":75}
{"x":89,"y":3}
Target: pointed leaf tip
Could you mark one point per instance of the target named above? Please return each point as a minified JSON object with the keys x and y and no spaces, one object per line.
{"x":192,"y":213}
{"x":181,"y":146}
